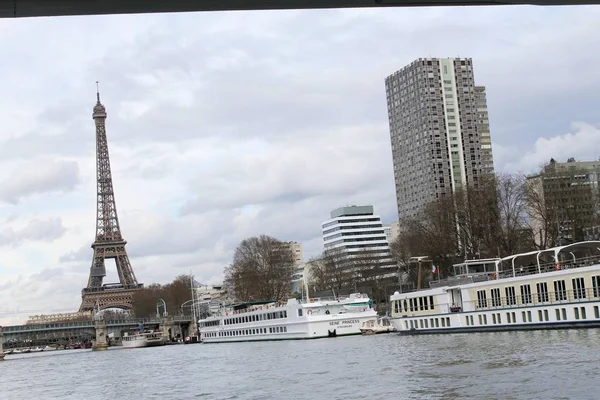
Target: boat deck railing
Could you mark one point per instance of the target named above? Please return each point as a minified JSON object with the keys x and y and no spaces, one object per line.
{"x":228,"y":310}
{"x":528,"y":300}
{"x":533,"y":269}
{"x":358,"y":296}
{"x":522,"y":270}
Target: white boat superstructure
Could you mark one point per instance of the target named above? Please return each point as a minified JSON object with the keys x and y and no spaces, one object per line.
{"x":294,"y":319}
{"x":376,"y":326}
{"x":146,"y":338}
{"x":547,"y":289}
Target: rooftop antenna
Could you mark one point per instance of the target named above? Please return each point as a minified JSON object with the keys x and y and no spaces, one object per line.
{"x":97,"y":91}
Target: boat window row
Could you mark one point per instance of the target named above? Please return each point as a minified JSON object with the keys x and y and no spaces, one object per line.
{"x":414,"y":304}
{"x":560,"y":314}
{"x":496,"y":318}
{"x":254,"y":331}
{"x":524,"y":294}
{"x":255,"y":317}
{"x":209,"y":323}
{"x":426,"y":323}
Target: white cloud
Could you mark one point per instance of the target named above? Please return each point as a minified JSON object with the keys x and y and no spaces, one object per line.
{"x":226,"y":125}
{"x":583,"y":144}
{"x":37,"y":177}
{"x":35,"y":230}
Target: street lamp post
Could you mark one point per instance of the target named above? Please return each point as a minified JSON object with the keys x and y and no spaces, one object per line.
{"x":420,"y":260}
{"x":158,"y":304}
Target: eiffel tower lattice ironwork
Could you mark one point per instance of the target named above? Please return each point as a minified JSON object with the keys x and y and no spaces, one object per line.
{"x":109,"y":243}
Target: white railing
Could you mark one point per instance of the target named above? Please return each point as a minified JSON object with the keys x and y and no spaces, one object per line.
{"x":550,"y":267}
{"x":523,"y":270}
{"x":357,"y":296}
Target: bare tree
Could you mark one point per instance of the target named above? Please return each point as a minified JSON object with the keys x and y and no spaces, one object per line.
{"x":434,"y":234}
{"x":437,"y":231}
{"x":513,"y":233}
{"x":174,"y":294}
{"x":144,"y":300}
{"x":375,"y":274}
{"x":331,"y":271}
{"x":262,"y":269}
{"x":492,"y":217}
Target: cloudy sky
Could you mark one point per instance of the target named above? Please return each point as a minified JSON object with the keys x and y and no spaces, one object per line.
{"x":227,"y":125}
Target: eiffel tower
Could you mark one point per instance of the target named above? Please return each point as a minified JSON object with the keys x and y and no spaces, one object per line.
{"x":109,"y":243}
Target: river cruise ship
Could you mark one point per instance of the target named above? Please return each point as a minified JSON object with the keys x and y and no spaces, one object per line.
{"x":294,"y":319}
{"x":548,"y":289}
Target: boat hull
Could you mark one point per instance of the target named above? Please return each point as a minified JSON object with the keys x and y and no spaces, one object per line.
{"x":135,"y":344}
{"x":140,"y":341}
{"x":370,"y":331}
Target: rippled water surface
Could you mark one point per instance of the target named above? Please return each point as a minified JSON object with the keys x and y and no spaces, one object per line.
{"x":506,"y":365}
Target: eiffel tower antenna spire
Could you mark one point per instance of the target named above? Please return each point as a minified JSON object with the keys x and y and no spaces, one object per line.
{"x":109,"y":243}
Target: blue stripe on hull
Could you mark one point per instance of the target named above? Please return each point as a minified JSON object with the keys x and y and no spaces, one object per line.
{"x":505,"y":328}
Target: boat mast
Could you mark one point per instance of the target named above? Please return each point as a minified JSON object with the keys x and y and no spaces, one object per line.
{"x":305,"y":285}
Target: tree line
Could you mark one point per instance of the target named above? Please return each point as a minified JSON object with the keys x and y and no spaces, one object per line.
{"x":263,"y":269}
{"x":175,"y":294}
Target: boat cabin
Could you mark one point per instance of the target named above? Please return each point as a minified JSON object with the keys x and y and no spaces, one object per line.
{"x":470,"y":271}
{"x":473,"y":267}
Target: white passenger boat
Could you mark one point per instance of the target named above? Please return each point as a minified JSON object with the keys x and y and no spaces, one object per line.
{"x":548,"y":289}
{"x":143,"y":339}
{"x":295,"y":319}
{"x":376,"y":326}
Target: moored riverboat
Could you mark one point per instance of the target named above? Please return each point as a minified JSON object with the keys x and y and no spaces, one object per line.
{"x":546,"y":289}
{"x":145,"y":338}
{"x":375,"y":326}
{"x":294,"y":319}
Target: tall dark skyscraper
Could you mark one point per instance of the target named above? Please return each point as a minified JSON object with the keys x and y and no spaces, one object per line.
{"x":439,"y":130}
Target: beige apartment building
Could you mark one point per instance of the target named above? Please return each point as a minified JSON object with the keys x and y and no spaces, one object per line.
{"x":566,"y":205}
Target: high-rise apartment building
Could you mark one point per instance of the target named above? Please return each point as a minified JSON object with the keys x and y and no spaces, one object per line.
{"x":439,"y":130}
{"x":356,"y":229}
{"x":483,"y":130}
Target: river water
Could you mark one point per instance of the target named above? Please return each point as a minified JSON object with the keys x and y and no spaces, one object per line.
{"x":504,"y":365}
